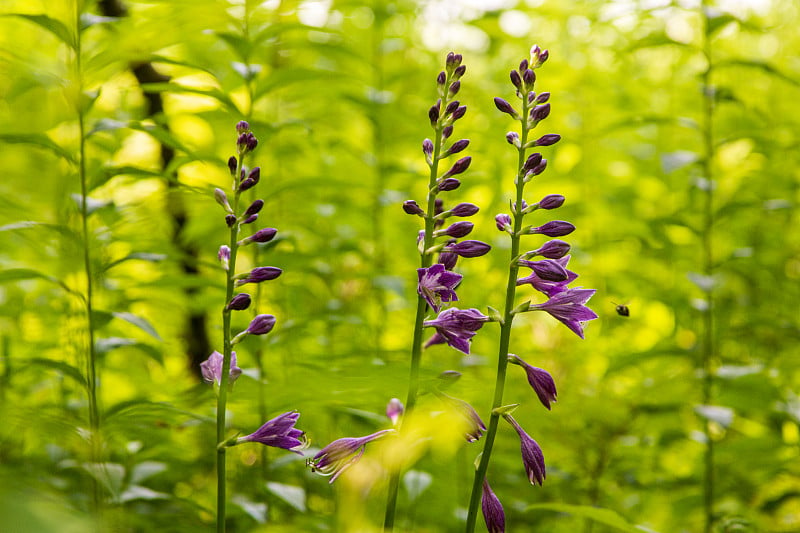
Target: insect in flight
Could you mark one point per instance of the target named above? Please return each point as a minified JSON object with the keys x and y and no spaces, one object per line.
{"x":622,"y":309}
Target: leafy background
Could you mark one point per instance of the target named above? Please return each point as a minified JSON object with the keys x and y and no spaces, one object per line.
{"x":661,"y":105}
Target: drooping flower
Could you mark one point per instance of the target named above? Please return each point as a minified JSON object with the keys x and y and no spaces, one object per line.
{"x":211,"y":368}
{"x":492,"y":509}
{"x":540,"y":380}
{"x":567,"y":307}
{"x":550,"y":288}
{"x":456,"y":327}
{"x":436,"y":285}
{"x":341,"y":454}
{"x":474,"y":426}
{"x":532,"y":456}
{"x":279,"y":433}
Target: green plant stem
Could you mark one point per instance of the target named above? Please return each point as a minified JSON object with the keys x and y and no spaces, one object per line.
{"x":226,"y":360}
{"x":426,"y":259}
{"x":505,"y":332}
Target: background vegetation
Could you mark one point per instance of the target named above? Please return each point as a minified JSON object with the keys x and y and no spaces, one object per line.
{"x":679,"y":161}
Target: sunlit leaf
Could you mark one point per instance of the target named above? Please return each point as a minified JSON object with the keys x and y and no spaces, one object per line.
{"x":294,"y":496}
{"x":54,"y":26}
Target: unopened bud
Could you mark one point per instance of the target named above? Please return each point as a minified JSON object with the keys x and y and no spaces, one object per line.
{"x":412,"y":208}
{"x":503,"y":222}
{"x":449,"y":184}
{"x":459,"y":71}
{"x":513,"y":138}
{"x":464,"y":210}
{"x":224,"y":255}
{"x":523,"y":65}
{"x":454,"y":87}
{"x":547,"y":140}
{"x":447,"y":131}
{"x":255,"y":174}
{"x":538,"y":169}
{"x":222,"y":199}
{"x":516,"y":79}
{"x":394,"y":410}
{"x":433,"y":114}
{"x":460,"y":229}
{"x":250,"y":219}
{"x":529,"y":77}
{"x":458,"y":167}
{"x":230,"y":220}
{"x":468,"y":248}
{"x":427,"y":147}
{"x":540,"y":112}
{"x":458,"y":146}
{"x":547,"y":269}
{"x":452,"y":106}
{"x":441,"y":78}
{"x":542,"y":98}
{"x":551,"y":201}
{"x":247,"y":183}
{"x":262,"y":235}
{"x":532,"y":161}
{"x":242,"y":126}
{"x":240,"y":302}
{"x":459,"y":112}
{"x":448,"y":259}
{"x":555,"y":228}
{"x":555,"y":249}
{"x":254,"y":208}
{"x":505,"y":107}
{"x":232,"y":164}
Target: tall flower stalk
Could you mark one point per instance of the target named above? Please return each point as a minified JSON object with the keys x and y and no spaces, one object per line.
{"x":436,"y":282}
{"x":221,"y":368}
{"x":548,"y":275}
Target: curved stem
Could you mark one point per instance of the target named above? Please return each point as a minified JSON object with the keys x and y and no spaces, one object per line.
{"x":505,"y":331}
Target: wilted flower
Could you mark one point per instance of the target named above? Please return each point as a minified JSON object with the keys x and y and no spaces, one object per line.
{"x":279,"y":433}
{"x":532,"y":456}
{"x":340,"y":454}
{"x":456,"y":327}
{"x":436,"y":285}
{"x":492,"y":509}
{"x":567,"y":307}
{"x":211,"y":368}
{"x":540,"y":380}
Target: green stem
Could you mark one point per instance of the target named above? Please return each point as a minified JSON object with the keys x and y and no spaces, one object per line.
{"x":426,"y":259}
{"x":505,"y":331}
{"x":226,"y":360}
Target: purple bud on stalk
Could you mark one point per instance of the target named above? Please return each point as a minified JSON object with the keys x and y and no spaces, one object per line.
{"x":412,"y":208}
{"x":460,"y":229}
{"x":532,"y":161}
{"x":279,"y":433}
{"x":240,"y":302}
{"x":458,"y":167}
{"x":516,"y":79}
{"x":542,"y":98}
{"x":451,"y":61}
{"x":538,"y":169}
{"x":513,"y":138}
{"x":211,"y":368}
{"x":464,"y":210}
{"x":447,"y":131}
{"x":540,"y":112}
{"x":448,"y":259}
{"x":222,"y":199}
{"x":394,"y":410}
{"x":252,"y":142}
{"x":546,"y":269}
{"x":540,"y":380}
{"x":427,"y":147}
{"x":262,"y":235}
{"x":454,"y":87}
{"x":246,"y":184}
{"x":255,"y":174}
{"x":254,"y":208}
{"x":452,"y":106}
{"x":459,"y":71}
{"x":532,"y":456}
{"x":503,"y":222}
{"x":554,"y":249}
{"x":529,"y":77}
{"x":547,"y":140}
{"x":261,"y":325}
{"x":554,"y":228}
{"x":531,"y":97}
{"x":449,"y":184}
{"x":259,"y":274}
{"x":523,"y":65}
{"x":544,"y":56}
{"x":459,"y":112}
{"x":492,"y":510}
{"x":242,"y":126}
{"x":232,"y":164}
{"x":230,"y":220}
{"x":441,"y":78}
{"x":468,"y":248}
{"x":250,"y":219}
{"x":551,"y":201}
{"x":504,"y":106}
{"x":458,"y":146}
{"x":433,"y":113}
{"x":224,"y":255}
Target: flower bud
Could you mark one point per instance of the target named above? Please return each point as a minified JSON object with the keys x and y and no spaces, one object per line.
{"x":547,"y":140}
{"x":464,"y":210}
{"x":427,"y":147}
{"x":454,"y":87}
{"x":261,"y":325}
{"x":513,"y":138}
{"x":468,"y":248}
{"x":232,"y":164}
{"x":447,"y":131}
{"x":554,"y":249}
{"x":452,"y":106}
{"x":551,"y":201}
{"x":222,"y":199}
{"x":451,"y":62}
{"x":540,"y":112}
{"x":529,"y":77}
{"x":258,"y":274}
{"x":224,"y":255}
{"x":555,"y":228}
{"x":503,"y":222}
{"x":516,"y":79}
{"x":459,"y":71}
{"x":531,"y":97}
{"x":247,"y":183}
{"x":547,"y":269}
{"x":544,"y":56}
{"x":242,"y":126}
{"x":448,"y":259}
{"x":458,"y":167}
{"x":250,"y":219}
{"x":412,"y":208}
{"x":262,"y":235}
{"x":255,"y":174}
{"x":458,"y":146}
{"x":532,"y":161}
{"x":230,"y":220}
{"x":542,"y":98}
{"x":252,"y":142}
{"x":505,"y":107}
{"x":240,"y":302}
{"x":459,"y":112}
{"x":538,"y":169}
{"x":449,"y":184}
{"x":254,"y":208}
{"x":523,"y":65}
{"x":460,"y":229}
{"x":433,"y":113}
{"x":394,"y":410}
{"x":441,"y":78}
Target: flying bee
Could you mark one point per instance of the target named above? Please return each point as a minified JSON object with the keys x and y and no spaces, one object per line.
{"x":622,"y":309}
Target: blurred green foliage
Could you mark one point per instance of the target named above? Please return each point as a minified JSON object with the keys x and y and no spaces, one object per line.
{"x":337,"y":92}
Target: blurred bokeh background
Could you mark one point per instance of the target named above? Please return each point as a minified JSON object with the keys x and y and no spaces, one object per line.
{"x":679,"y":162}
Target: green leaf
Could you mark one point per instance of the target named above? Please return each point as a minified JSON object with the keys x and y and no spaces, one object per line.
{"x":142,"y":256}
{"x":603,"y":516}
{"x":255,"y":510}
{"x":211,"y":92}
{"x":103,"y":346}
{"x":37,"y":139}
{"x":54,"y":26}
{"x":759,"y":65}
{"x":20,"y":274}
{"x":294,"y":496}
{"x":59,"y":366}
{"x":139,"y":322}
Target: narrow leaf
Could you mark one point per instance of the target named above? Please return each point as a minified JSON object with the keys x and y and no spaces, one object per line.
{"x":54,"y":26}
{"x":37,"y":139}
{"x":139,"y":322}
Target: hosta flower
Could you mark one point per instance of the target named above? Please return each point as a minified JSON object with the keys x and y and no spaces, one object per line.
{"x":547,"y":269}
{"x":436,"y":285}
{"x":532,"y":456}
{"x":211,"y":368}
{"x":540,"y":380}
{"x":550,"y":288}
{"x":456,"y":327}
{"x":279,"y":433}
{"x":341,"y":454}
{"x":492,"y":509}
{"x":567,"y":307}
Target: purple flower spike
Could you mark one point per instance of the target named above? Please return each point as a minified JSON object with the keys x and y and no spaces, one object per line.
{"x":474,"y":426}
{"x":492,"y":509}
{"x":567,"y":307}
{"x":259,"y":274}
{"x":279,"y":433}
{"x":532,"y":456}
{"x":341,"y":454}
{"x":261,"y":325}
{"x":554,"y":249}
{"x":503,"y":222}
{"x":240,"y":302}
{"x":464,"y":210}
{"x":547,"y":269}
{"x":436,"y":285}
{"x":211,"y":368}
{"x":550,"y":288}
{"x":456,"y":327}
{"x":554,"y":228}
{"x":468,"y":248}
{"x":551,"y":201}
{"x":540,"y":380}
{"x":394,"y":410}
